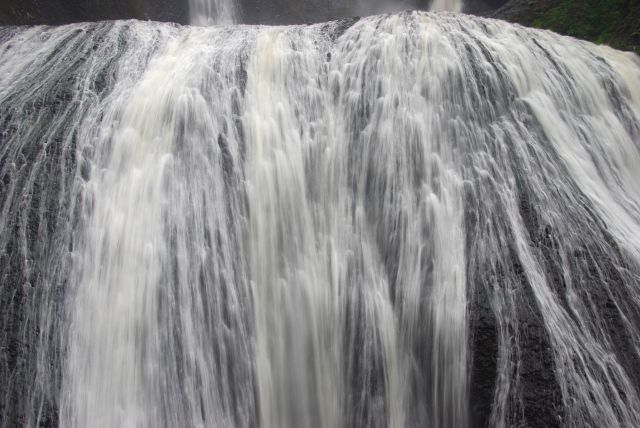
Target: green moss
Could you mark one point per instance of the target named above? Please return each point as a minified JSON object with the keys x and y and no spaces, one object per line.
{"x":599,"y":21}
{"x":586,"y":19}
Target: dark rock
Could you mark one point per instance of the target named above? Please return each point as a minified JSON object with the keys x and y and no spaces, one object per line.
{"x":28,"y":12}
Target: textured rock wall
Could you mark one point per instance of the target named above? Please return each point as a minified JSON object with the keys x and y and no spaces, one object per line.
{"x":25,"y":12}
{"x":20,"y":12}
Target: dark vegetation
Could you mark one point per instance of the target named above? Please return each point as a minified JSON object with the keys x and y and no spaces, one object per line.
{"x":612,"y":22}
{"x":55,"y":12}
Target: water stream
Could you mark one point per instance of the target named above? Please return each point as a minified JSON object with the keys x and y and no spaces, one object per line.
{"x":415,"y":219}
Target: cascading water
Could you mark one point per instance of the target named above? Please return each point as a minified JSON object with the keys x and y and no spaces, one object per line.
{"x":210,"y":12}
{"x":404,"y":220}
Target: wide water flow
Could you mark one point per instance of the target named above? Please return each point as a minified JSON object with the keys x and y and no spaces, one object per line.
{"x":406,"y":220}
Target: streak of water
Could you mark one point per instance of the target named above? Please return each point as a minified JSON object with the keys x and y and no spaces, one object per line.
{"x":212,"y":12}
{"x":406,"y":220}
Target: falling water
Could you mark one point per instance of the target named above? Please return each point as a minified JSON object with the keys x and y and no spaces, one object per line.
{"x":211,"y":12}
{"x":404,"y":220}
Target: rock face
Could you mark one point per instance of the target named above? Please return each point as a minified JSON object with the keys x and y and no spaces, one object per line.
{"x":27,"y":12}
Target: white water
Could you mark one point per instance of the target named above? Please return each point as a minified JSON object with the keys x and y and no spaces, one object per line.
{"x":299,"y":227}
{"x":212,"y":12}
{"x":372,"y":7}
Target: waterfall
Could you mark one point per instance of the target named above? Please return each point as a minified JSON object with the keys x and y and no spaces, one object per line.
{"x":211,"y":12}
{"x":413,"y":219}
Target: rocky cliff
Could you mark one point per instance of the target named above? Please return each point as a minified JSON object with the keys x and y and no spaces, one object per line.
{"x":54,"y":12}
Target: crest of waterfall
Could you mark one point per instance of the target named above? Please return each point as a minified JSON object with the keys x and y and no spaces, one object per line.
{"x":371,"y":7}
{"x":415,"y":219}
{"x":215,"y":12}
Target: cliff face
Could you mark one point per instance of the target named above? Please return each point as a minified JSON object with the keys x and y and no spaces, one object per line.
{"x":303,"y":11}
{"x":27,"y":12}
